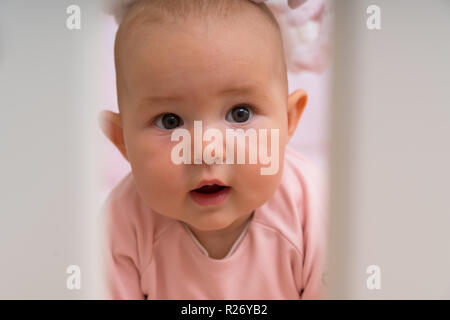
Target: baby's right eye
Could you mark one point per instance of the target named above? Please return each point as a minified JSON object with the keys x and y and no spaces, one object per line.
{"x":169,"y":121}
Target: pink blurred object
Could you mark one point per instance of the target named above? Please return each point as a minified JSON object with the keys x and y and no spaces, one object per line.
{"x":306,"y":33}
{"x":118,"y":8}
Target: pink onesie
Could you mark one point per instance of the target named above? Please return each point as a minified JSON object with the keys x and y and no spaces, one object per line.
{"x":279,"y":255}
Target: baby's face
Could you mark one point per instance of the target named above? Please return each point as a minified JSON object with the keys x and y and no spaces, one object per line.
{"x":226,"y":76}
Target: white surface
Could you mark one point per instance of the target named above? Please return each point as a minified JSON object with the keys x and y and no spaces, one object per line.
{"x":48,"y":98}
{"x":390,"y":151}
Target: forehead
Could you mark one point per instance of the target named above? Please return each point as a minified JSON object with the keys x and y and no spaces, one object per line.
{"x":163,"y":59}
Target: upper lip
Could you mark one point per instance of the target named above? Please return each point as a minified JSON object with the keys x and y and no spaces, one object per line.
{"x":209,"y":182}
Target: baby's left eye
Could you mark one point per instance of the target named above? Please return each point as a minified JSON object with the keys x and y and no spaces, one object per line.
{"x":240,"y":114}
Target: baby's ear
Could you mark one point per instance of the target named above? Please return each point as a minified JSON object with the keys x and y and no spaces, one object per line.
{"x":111,"y":125}
{"x":296,"y":104}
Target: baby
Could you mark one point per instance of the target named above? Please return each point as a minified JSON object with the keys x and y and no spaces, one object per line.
{"x":210,"y":228}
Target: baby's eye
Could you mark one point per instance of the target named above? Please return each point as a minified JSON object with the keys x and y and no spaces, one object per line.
{"x":169,"y":121}
{"x":240,"y":113}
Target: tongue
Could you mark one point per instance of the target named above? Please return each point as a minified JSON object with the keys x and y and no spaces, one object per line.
{"x":209,"y":189}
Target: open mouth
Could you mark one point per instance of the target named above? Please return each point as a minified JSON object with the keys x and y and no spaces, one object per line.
{"x":210,"y":194}
{"x":209,"y":189}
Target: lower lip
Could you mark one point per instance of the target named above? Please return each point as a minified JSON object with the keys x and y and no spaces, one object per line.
{"x":211,"y":199}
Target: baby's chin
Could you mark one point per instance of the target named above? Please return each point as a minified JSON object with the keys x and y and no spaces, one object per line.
{"x":213,"y":221}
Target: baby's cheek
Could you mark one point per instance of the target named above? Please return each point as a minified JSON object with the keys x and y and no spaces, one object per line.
{"x":157,"y":177}
{"x":253,"y":188}
{"x":161,"y":187}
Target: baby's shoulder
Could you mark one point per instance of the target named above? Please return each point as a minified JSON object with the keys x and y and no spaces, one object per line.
{"x":122,"y":203}
{"x":129,"y":223}
{"x":300,"y":196}
{"x":301,"y":176}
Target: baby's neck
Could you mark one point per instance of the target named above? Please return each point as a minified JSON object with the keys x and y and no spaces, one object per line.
{"x":218,"y":243}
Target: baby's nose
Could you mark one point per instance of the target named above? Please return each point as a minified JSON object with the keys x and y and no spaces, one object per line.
{"x":208,"y":144}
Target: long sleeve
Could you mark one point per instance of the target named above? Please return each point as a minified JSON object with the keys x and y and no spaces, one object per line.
{"x":120,"y":254}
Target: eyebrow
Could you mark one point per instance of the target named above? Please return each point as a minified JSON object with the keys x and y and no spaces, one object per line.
{"x":243,"y":89}
{"x":232,"y":90}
